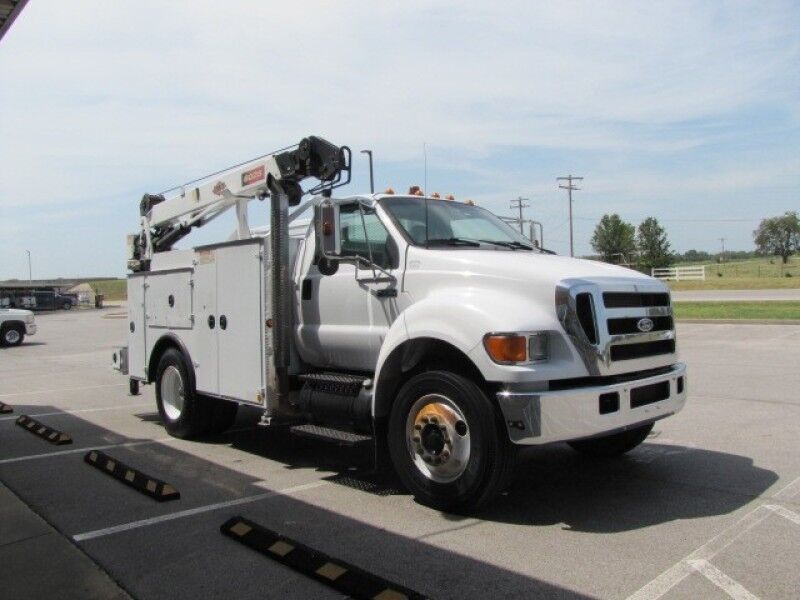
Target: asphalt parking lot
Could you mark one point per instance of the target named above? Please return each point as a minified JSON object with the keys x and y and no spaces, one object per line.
{"x":708,"y":507}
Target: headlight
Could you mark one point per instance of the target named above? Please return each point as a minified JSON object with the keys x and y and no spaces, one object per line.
{"x":516,"y":348}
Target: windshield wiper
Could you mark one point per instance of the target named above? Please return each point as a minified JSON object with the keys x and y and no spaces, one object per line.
{"x":453,"y":241}
{"x":513,"y":245}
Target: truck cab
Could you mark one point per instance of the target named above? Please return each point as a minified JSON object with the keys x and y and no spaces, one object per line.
{"x":429,"y":325}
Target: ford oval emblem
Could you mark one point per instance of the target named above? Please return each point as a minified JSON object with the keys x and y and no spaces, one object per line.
{"x":644,"y":325}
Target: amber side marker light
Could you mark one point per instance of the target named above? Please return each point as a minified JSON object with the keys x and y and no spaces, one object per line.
{"x":506,"y":348}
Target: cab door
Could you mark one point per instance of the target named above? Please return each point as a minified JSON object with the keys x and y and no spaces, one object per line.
{"x":343,"y":316}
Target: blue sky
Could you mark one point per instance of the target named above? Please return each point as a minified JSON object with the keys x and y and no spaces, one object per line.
{"x":686,"y":111}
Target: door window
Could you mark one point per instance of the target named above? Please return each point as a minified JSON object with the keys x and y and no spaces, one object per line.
{"x":359,"y":237}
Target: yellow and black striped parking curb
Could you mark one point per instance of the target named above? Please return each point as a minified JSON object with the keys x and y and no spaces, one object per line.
{"x":339,"y":575}
{"x":155,"y":488}
{"x":5,"y":409}
{"x":43,"y":431}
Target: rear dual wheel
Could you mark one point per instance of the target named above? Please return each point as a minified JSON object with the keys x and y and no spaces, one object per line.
{"x":448,"y":443}
{"x":185,"y":413}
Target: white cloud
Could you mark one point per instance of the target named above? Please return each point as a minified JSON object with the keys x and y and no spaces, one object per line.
{"x":101,"y":101}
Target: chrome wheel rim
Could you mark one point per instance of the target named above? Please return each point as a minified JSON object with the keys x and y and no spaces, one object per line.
{"x":438,"y":438}
{"x":172,"y":393}
{"x":12,"y":336}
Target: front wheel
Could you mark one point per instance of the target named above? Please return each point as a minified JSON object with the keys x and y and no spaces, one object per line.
{"x":447,"y":442}
{"x":12,"y":335}
{"x":67,"y":305}
{"x":615,"y":444}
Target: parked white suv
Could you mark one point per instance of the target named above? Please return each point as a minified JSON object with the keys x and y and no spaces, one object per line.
{"x":15,"y":324}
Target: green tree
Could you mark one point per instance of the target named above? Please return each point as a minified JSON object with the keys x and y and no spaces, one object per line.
{"x":614,"y":239}
{"x":779,"y":235}
{"x":653,"y":246}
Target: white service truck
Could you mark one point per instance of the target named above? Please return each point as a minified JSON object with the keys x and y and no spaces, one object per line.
{"x":429,"y":325}
{"x":15,"y":324}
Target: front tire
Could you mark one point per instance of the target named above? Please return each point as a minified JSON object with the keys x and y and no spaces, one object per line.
{"x":185,"y":414}
{"x":448,"y":443}
{"x":613,"y":445}
{"x":67,"y":305}
{"x":12,"y":335}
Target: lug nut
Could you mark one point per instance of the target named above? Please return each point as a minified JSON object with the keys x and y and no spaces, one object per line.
{"x":418,"y":426}
{"x":434,"y":420}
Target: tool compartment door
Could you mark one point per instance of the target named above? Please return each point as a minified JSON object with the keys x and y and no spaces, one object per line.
{"x":137,"y":329}
{"x":240,"y":320}
{"x":205,"y":353}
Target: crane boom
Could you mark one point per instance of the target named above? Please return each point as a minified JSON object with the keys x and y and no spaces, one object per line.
{"x":167,"y":218}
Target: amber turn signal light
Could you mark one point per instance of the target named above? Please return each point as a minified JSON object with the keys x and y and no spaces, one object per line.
{"x":506,"y":348}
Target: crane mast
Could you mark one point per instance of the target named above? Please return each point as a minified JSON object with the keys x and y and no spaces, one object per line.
{"x":168,"y":217}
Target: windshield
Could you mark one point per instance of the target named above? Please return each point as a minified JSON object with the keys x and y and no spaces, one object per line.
{"x":435,"y":222}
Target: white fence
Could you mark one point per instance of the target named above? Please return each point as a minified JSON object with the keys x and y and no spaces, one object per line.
{"x":697,"y":273}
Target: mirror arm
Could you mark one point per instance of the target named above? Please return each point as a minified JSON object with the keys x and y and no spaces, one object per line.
{"x":366,"y":237}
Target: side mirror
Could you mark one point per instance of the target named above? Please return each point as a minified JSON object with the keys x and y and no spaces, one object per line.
{"x":328,"y":232}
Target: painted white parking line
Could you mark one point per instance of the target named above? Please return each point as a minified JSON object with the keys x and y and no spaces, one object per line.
{"x":61,"y":390}
{"x":90,"y":535}
{"x":80,"y":410}
{"x":784,"y":512}
{"x":734,"y":589}
{"x":6,"y":461}
{"x":682,"y":569}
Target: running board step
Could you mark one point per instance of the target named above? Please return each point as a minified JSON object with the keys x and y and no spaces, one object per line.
{"x":329,"y":434}
{"x":341,"y":383}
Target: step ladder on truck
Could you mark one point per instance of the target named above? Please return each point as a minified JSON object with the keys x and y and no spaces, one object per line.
{"x":428,"y":326}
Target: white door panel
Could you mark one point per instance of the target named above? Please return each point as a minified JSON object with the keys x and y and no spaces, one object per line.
{"x":137,"y":330}
{"x":240,"y":321}
{"x":205,"y":351}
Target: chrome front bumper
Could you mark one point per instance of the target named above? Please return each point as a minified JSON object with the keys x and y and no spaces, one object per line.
{"x":542,"y":417}
{"x":30,"y":328}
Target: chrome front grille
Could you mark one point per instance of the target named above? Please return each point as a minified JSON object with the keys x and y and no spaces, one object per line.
{"x":617,"y":326}
{"x":631,"y":325}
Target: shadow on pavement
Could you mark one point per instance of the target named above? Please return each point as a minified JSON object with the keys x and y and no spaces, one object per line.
{"x":653,"y":484}
{"x":187,"y":557}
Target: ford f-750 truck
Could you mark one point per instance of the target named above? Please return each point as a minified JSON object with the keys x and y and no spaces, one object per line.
{"x":430,"y":325}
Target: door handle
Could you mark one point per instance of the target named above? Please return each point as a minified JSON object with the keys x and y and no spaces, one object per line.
{"x":211,"y":321}
{"x":223,"y":322}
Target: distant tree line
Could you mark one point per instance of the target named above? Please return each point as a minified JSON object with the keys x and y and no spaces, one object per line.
{"x":646,"y":247}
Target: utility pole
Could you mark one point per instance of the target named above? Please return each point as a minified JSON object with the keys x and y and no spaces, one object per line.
{"x":30,"y":272}
{"x":371,"y":177}
{"x":519,"y":203}
{"x":569,"y":187}
{"x":425,"y":157}
{"x":722,"y":256}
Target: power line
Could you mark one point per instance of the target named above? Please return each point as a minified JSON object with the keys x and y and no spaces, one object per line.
{"x":569,"y":187}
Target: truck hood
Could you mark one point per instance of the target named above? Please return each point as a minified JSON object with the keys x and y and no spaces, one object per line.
{"x":15,"y":312}
{"x":521,"y":266}
{"x":510,"y":282}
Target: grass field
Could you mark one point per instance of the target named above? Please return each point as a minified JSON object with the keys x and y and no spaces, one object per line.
{"x":738,"y":283}
{"x":113,"y":289}
{"x":737,"y":310}
{"x":764,"y":273}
